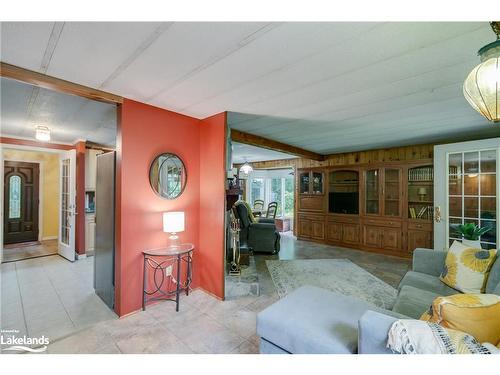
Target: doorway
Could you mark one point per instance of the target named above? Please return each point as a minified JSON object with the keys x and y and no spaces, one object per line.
{"x":21,"y":202}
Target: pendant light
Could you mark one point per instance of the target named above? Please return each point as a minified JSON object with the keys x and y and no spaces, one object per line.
{"x":246,"y":168}
{"x":42,"y":133}
{"x":482,"y":85}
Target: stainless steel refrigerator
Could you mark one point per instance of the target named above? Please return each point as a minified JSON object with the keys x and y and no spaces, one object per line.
{"x":104,"y":258}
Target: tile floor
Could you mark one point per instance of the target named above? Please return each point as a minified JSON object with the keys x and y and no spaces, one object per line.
{"x":13,"y":253}
{"x":203,"y":324}
{"x":50,"y":296}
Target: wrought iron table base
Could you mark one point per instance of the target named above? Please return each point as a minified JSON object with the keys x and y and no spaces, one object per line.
{"x":159,"y":268}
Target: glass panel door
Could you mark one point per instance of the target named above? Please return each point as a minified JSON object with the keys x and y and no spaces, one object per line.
{"x":392,"y":192}
{"x":257,"y":190}
{"x":276,"y":195}
{"x":372,"y":192}
{"x":304,"y":182}
{"x":472,"y":194}
{"x":317,"y":179}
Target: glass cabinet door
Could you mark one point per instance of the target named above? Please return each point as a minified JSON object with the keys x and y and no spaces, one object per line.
{"x":317,"y":179}
{"x":304,"y":182}
{"x":392,"y":193}
{"x":372,"y":191}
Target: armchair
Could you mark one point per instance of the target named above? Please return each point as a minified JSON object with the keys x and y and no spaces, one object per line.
{"x":261,"y":235}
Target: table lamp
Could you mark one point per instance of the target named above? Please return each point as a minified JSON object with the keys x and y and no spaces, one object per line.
{"x":173,"y":223}
{"x":422,"y":192}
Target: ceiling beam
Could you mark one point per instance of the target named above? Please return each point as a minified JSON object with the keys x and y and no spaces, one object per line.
{"x":258,"y":141}
{"x":56,"y":84}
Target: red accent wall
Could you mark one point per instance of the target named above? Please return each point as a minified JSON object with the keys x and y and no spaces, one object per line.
{"x":143,"y":133}
{"x":212,"y":203}
{"x":80,"y":198}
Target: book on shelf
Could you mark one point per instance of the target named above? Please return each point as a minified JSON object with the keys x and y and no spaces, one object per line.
{"x":421,"y":212}
{"x":412,"y":213}
{"x":421,"y":174}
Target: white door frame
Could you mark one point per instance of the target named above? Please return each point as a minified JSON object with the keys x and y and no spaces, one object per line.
{"x":441,"y":152}
{"x":68,"y":250}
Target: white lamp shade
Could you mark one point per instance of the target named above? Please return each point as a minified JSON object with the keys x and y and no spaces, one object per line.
{"x":173,"y":222}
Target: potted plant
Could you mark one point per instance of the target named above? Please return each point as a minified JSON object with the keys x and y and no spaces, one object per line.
{"x":471,"y":233}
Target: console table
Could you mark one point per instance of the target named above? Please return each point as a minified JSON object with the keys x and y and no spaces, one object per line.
{"x":163,"y":264}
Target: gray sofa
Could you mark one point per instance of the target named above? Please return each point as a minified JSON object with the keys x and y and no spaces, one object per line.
{"x":312,"y":320}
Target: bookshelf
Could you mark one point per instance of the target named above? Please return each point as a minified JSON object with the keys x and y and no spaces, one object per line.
{"x":421,"y":193}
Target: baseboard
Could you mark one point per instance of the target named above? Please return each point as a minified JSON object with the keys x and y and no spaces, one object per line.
{"x":49,"y":238}
{"x":81,"y":256}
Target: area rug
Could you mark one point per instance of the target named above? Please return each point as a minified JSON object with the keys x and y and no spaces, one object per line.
{"x":338,"y":275}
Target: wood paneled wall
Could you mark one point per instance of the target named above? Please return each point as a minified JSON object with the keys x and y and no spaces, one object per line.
{"x":406,"y":153}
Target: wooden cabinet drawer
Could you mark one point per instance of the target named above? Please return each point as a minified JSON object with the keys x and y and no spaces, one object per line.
{"x":383,"y":222}
{"x":311,"y":202}
{"x":419,"y":238}
{"x":311,"y":217}
{"x":350,"y":233}
{"x":318,"y":230}
{"x":372,"y":236}
{"x":344,"y":219}
{"x":391,"y":239}
{"x":420,"y":226}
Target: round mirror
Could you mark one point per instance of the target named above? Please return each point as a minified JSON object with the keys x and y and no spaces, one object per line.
{"x":167,"y":176}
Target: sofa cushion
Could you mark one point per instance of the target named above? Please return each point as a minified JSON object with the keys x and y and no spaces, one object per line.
{"x":313,"y":320}
{"x":475,"y":314}
{"x":493,"y":283}
{"x":426,"y":282}
{"x":413,"y":302}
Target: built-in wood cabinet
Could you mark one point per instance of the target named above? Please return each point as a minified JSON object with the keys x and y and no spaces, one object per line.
{"x":385,"y":207}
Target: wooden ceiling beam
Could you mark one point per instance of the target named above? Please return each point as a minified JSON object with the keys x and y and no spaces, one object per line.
{"x":258,"y":141}
{"x":56,"y":84}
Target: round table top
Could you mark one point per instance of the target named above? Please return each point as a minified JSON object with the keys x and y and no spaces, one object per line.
{"x":170,"y":250}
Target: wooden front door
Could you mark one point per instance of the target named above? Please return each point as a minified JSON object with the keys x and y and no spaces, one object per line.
{"x":20,"y":201}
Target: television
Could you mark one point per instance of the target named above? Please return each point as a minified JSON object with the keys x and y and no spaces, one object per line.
{"x":344,"y":203}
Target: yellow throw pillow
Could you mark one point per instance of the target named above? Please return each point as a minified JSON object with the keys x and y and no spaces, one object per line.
{"x":475,"y":314}
{"x":466,"y":268}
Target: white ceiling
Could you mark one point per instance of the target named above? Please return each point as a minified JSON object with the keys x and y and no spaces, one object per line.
{"x":242,"y":153}
{"x":326,"y":87}
{"x":70,"y":118}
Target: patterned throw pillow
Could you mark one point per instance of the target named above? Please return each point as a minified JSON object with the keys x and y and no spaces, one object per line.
{"x":411,"y":336}
{"x":476,"y":314}
{"x":466,"y":268}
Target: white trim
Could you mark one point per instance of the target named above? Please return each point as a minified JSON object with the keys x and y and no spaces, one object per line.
{"x":34,"y":140}
{"x":40,"y":190}
{"x":81,"y":256}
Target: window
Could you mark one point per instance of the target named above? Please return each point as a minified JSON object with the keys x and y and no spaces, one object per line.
{"x":289,"y":197}
{"x":257,"y":192}
{"x":276,"y":194}
{"x":14,"y":197}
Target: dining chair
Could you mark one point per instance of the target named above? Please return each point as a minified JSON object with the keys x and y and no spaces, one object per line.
{"x":272,"y":209}
{"x":258,"y":204}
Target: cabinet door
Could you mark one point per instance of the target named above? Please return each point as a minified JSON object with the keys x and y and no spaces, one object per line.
{"x":304,"y":182}
{"x":419,"y":238}
{"x":334,"y":231}
{"x":350,"y":233}
{"x":372,"y":198}
{"x":392,"y":192}
{"x":304,"y":228}
{"x":373,"y":236}
{"x":318,"y":230}
{"x":391,"y":239}
{"x":317,"y":182}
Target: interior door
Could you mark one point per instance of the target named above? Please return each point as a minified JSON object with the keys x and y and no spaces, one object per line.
{"x":67,"y":207}
{"x":466,"y":190}
{"x":21,"y":201}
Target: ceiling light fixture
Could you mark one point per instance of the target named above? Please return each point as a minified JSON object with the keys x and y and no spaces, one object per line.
{"x":42,"y":133}
{"x":246,"y":168}
{"x":482,"y":85}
